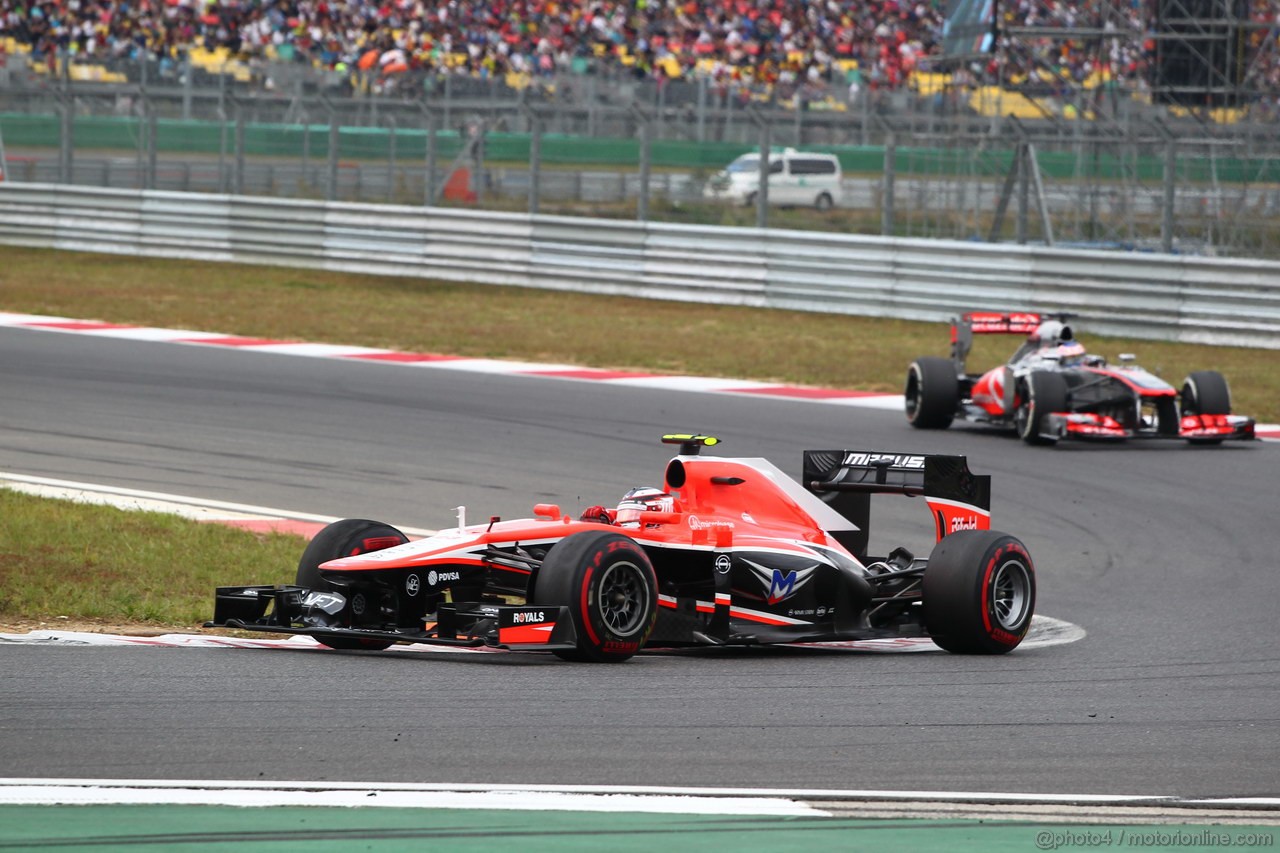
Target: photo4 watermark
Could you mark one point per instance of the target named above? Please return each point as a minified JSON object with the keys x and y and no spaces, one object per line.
{"x":1151,"y":838}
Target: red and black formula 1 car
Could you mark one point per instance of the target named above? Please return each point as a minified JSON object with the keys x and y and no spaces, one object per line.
{"x":1052,"y":389}
{"x":731,"y":551}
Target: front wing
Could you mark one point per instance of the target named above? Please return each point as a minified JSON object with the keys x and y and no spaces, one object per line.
{"x":295,"y":610}
{"x":1193,"y":427}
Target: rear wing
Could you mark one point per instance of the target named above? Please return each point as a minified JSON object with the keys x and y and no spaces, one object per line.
{"x":845,"y":480}
{"x":964,"y":327}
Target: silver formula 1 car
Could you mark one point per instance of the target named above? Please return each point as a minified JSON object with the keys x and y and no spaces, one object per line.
{"x":1051,"y":389}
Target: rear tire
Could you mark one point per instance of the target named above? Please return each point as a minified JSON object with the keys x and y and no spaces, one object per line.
{"x":979,"y":592}
{"x":609,"y":586}
{"x":1041,"y":393}
{"x":932,"y":393}
{"x":1205,"y":392}
{"x":824,"y":203}
{"x":345,"y":538}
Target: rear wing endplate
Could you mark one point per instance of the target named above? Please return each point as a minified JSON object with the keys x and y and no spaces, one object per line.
{"x":958,"y":499}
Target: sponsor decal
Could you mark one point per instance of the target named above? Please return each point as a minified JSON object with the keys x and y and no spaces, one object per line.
{"x":746,"y":516}
{"x":983,"y":322}
{"x":696,"y":523}
{"x":970,"y":523}
{"x":1002,"y":636}
{"x":434,"y":577}
{"x":528,"y":617}
{"x":388,"y":555}
{"x":895,"y":460}
{"x":358,"y":604}
{"x":412,"y":584}
{"x":723,"y":562}
{"x":322,"y":600}
{"x":781,"y":585}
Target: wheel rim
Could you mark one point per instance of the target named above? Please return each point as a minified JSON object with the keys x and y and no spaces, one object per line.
{"x":1189,"y":404}
{"x":1011,"y":595}
{"x":623,"y":602}
{"x":912,"y":395}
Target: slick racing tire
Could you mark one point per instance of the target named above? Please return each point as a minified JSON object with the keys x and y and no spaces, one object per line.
{"x":345,"y":538}
{"x":979,"y":592}
{"x":1205,"y":392}
{"x":609,"y":586}
{"x":1041,"y":394}
{"x":932,"y":393}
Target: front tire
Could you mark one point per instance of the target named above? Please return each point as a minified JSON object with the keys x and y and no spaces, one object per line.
{"x":824,"y":203}
{"x":345,"y":538}
{"x":1205,"y":392}
{"x":609,"y":586}
{"x":932,"y":393}
{"x":1041,"y":394}
{"x":979,"y":592}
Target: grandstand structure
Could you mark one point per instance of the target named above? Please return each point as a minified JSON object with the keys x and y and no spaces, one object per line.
{"x":1105,"y":123}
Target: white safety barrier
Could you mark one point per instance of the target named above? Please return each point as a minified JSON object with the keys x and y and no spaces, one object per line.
{"x":1161,"y":297}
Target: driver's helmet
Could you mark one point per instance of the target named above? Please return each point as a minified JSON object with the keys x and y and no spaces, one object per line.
{"x":638,"y":501}
{"x":1051,"y":333}
{"x":1070,"y":353}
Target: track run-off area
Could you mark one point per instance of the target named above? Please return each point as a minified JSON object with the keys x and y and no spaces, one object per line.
{"x":1153,"y":705}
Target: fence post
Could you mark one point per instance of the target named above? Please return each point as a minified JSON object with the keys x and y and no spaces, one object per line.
{"x":429,"y":184}
{"x":222,"y":149}
{"x":887,"y":185}
{"x":331,"y":188}
{"x":139,"y":112}
{"x":646,"y":164}
{"x":762,"y":191}
{"x":702,"y":108}
{"x":1170,"y":176}
{"x":391,"y":158}
{"x":535,"y":158}
{"x":187,"y":84}
{"x":153,"y":139}
{"x":66,"y":137}
{"x":1024,"y":196}
{"x":240,"y":124}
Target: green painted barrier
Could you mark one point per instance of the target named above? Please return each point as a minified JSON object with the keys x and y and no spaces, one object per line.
{"x":212,"y":829}
{"x":374,"y":143}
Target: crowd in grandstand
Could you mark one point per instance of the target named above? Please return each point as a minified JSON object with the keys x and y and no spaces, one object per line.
{"x":873,"y":43}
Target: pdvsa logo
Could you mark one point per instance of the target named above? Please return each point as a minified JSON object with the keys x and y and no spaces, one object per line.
{"x":434,"y":577}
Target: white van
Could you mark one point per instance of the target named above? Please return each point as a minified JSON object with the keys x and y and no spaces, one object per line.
{"x":796,"y":178}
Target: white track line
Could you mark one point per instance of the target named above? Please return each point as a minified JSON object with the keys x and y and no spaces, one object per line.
{"x":571,"y":797}
{"x":200,"y":509}
{"x":92,"y":792}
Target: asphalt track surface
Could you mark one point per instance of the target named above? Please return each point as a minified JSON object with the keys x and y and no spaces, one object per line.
{"x":1164,"y":553}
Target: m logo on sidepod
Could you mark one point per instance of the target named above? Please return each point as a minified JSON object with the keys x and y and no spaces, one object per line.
{"x":781,"y":585}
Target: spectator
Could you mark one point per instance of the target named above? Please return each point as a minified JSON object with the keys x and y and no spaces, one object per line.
{"x":738,"y":45}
